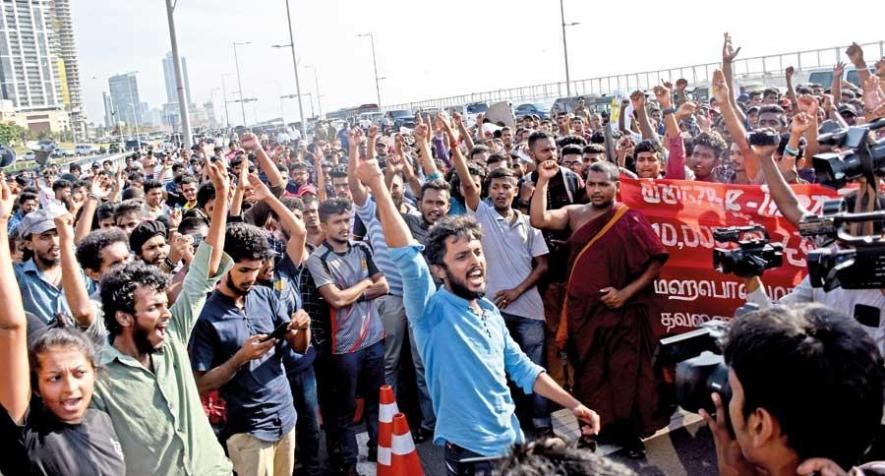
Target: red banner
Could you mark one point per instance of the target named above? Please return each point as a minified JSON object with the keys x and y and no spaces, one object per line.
{"x":684,"y":214}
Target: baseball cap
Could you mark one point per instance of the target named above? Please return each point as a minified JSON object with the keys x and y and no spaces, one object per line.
{"x":847,"y":108}
{"x":144,"y":232}
{"x":38,"y":221}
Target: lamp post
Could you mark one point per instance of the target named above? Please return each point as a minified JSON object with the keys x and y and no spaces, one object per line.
{"x":371,"y":37}
{"x":316,"y":87}
{"x":291,"y":46}
{"x":179,"y":81}
{"x":239,"y":81}
{"x":132,"y":107}
{"x":568,"y":83}
{"x":224,"y":96}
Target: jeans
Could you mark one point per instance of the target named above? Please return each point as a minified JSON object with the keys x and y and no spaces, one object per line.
{"x":307,"y":427}
{"x":358,"y":373}
{"x":529,"y":335}
{"x":393,"y":315}
{"x":455,"y":467}
{"x":324,"y":371}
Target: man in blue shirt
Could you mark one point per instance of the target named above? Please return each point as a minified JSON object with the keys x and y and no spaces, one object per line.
{"x":231,"y":349}
{"x":468,"y":353}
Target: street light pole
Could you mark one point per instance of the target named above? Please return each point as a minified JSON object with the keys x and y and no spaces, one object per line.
{"x":375,"y":66}
{"x":316,"y":83}
{"x":179,"y":79}
{"x":224,"y":96}
{"x":239,"y":81}
{"x":295,"y":66}
{"x":132,"y":107}
{"x":568,"y":83}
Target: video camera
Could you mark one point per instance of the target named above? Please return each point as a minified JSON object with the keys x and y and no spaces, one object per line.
{"x":751,"y":257}
{"x":862,"y":155}
{"x":855,"y":262}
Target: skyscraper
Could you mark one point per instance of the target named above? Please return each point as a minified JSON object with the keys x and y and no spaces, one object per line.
{"x":109,"y":120}
{"x":66,"y":61}
{"x":28,"y":69}
{"x":124,"y":96}
{"x":169,"y":76}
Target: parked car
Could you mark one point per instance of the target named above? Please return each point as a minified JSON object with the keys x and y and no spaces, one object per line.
{"x":391,"y":117}
{"x":824,"y":76}
{"x":85,"y":149}
{"x":528,"y":109}
{"x":366,"y":119}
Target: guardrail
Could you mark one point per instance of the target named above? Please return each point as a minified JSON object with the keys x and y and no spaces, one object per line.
{"x":768,"y":70}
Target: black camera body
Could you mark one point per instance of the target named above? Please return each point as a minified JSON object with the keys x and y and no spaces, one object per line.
{"x":764,"y":138}
{"x":751,"y":257}
{"x":850,"y":262}
{"x":693,"y":362}
{"x":861,"y":156}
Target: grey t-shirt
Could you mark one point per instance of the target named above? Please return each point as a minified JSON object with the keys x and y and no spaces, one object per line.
{"x":358,"y":325}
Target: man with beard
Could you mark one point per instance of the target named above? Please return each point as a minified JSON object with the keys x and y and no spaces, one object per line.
{"x":345,"y":275}
{"x":40,"y":278}
{"x":462,"y":338}
{"x":233,"y":349}
{"x":517,"y":258}
{"x":148,"y":242}
{"x":615,"y":256}
{"x":148,"y":388}
{"x":311,"y":215}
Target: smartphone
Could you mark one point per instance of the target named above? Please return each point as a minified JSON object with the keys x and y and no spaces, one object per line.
{"x":277,"y":333}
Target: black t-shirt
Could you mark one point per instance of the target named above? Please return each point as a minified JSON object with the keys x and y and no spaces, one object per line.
{"x":45,"y":446}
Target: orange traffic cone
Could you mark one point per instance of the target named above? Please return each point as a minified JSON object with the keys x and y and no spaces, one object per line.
{"x":404,"y":461}
{"x":386,"y":410}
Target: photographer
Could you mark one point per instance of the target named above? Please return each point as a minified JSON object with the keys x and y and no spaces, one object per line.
{"x":864,"y":304}
{"x":791,"y":408}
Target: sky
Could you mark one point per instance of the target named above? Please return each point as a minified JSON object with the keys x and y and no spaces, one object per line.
{"x":426,"y":49}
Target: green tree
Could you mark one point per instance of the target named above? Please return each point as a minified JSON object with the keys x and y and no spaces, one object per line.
{"x":10,"y":134}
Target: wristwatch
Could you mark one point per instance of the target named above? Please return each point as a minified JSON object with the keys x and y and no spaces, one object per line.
{"x":669,"y":110}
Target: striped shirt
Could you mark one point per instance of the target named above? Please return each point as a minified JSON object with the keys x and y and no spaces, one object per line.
{"x":381,"y":253}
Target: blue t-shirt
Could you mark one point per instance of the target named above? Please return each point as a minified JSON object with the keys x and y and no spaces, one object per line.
{"x":467,"y":359}
{"x":259,"y":400}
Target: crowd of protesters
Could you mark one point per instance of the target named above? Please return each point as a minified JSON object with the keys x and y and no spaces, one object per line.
{"x":237,"y":308}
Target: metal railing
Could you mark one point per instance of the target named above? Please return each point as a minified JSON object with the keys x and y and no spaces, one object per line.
{"x":767,"y":70}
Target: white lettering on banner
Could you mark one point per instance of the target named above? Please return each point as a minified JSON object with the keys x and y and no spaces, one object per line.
{"x":671,"y":320}
{"x":656,"y":192}
{"x":691,"y":289}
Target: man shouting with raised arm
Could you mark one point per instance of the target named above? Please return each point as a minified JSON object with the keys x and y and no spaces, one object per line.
{"x":468,"y":353}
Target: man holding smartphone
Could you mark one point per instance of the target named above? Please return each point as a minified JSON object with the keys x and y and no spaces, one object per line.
{"x":230,"y":350}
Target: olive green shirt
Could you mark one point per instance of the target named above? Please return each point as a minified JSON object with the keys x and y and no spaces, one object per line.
{"x":157,"y":415}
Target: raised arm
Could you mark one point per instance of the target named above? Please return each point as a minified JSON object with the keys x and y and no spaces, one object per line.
{"x":295,"y":247}
{"x":422,"y":142}
{"x":218,"y":224}
{"x":735,"y":126}
{"x":638,"y":101}
{"x":396,"y":232}
{"x":809,"y":105}
{"x":729,"y":53}
{"x":359,"y":193}
{"x":855,"y":55}
{"x":274,"y":177}
{"x":321,"y":176}
{"x":236,"y":203}
{"x":15,"y":378}
{"x":791,"y":93}
{"x":72,"y":280}
{"x":463,"y":132}
{"x":783,"y":195}
{"x":836,"y":86}
{"x":541,"y":217}
{"x":471,"y":191}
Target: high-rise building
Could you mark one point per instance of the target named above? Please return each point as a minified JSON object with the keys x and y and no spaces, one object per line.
{"x":169,"y":76}
{"x":28,"y":69}
{"x":124,"y":96}
{"x":109,"y":119}
{"x":66,"y":61}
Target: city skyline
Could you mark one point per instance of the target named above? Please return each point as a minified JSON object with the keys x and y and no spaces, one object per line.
{"x":513,"y":43}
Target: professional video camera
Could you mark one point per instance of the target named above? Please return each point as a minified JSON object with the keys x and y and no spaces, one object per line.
{"x":861,"y":156}
{"x":854,"y":262}
{"x":751,"y":257}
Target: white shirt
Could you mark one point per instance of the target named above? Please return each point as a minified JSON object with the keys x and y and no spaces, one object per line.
{"x":842,"y":300}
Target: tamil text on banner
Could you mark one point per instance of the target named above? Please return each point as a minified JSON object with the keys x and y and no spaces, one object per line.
{"x":684,"y":214}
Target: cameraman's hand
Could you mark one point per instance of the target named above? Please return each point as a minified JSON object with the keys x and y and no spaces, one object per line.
{"x":728,"y":452}
{"x":820,"y":466}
